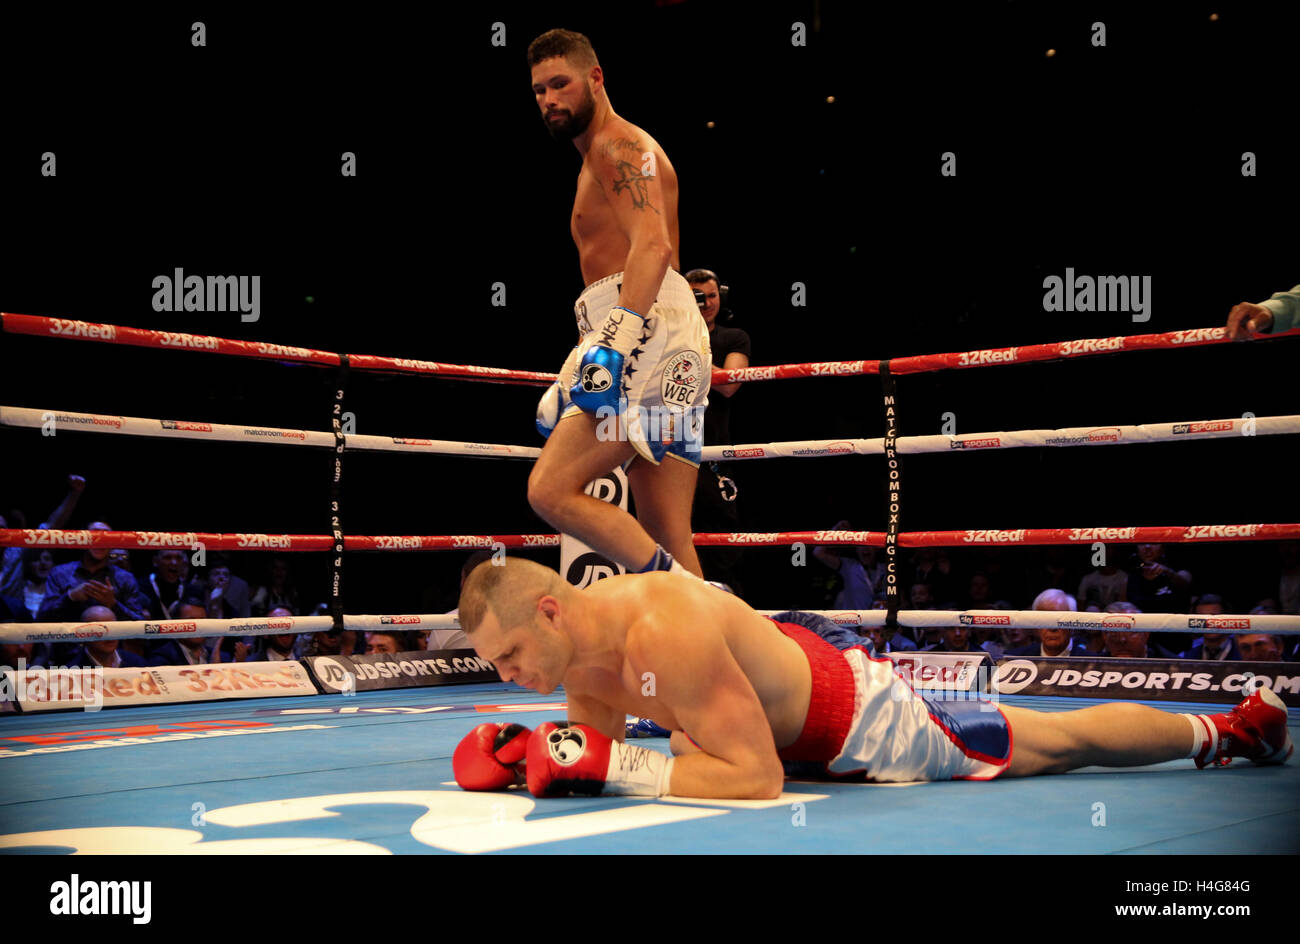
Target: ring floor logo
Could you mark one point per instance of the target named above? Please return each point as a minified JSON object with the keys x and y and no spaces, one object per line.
{"x":452,"y":820}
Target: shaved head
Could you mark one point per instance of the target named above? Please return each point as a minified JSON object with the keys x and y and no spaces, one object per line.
{"x":509,"y":589}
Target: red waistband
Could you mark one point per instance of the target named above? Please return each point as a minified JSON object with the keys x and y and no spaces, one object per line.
{"x":830,"y":707}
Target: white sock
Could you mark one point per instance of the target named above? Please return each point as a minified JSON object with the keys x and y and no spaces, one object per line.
{"x":1203,"y":732}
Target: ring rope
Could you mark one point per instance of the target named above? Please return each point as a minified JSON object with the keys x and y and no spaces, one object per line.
{"x":1284,"y":625}
{"x":1028,"y":537}
{"x":1067,"y":437}
{"x":67,"y":329}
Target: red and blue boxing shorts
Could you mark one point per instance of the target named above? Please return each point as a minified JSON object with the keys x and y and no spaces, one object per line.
{"x":865,"y":721}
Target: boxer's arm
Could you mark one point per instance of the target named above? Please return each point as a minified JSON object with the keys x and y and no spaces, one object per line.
{"x":629,"y":174}
{"x":596,"y":714}
{"x":697,"y":678}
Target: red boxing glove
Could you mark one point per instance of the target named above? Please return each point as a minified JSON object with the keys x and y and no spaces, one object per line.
{"x":488,"y":758}
{"x":574,"y":758}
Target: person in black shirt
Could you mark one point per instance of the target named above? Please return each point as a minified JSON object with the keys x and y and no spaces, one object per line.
{"x":715,"y":490}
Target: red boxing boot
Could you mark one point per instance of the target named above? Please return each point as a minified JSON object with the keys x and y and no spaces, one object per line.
{"x":1255,"y":729}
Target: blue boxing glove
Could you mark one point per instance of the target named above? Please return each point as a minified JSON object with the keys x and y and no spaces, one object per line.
{"x":605,"y":352}
{"x":645,"y":728}
{"x":556,"y":398}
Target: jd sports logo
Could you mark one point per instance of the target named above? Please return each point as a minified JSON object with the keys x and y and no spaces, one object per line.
{"x":333,"y":675}
{"x":607,"y":488}
{"x":586,"y":569}
{"x":1013,"y":676}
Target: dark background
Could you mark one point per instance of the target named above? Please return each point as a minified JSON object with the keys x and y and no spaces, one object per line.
{"x":1122,"y":160}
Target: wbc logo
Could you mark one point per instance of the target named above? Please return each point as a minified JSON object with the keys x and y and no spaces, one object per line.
{"x":682,"y":379}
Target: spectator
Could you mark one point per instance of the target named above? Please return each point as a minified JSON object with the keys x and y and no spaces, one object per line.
{"x":37,"y":656}
{"x":1103,"y":586}
{"x":386,"y":641}
{"x":1280,"y":313}
{"x":226,"y":596}
{"x":920,"y":596}
{"x":1154,"y":586}
{"x":1054,"y":571}
{"x":954,"y":639}
{"x":167,"y":586}
{"x":1128,"y":643}
{"x":857,"y":592}
{"x":1005,"y":583}
{"x":102,"y":653}
{"x":280,"y":593}
{"x":1260,"y":647}
{"x":900,"y":641}
{"x":1288,"y":586}
{"x":277,"y":648}
{"x":92,"y":580}
{"x":716,"y":507}
{"x":1053,"y":642}
{"x":928,"y":568}
{"x":979,"y":595}
{"x":189,"y":650}
{"x":11,"y":561}
{"x":1017,"y":637}
{"x":37,"y":564}
{"x":328,"y":642}
{"x":882,"y":642}
{"x":1094,"y":642}
{"x":1212,"y":647}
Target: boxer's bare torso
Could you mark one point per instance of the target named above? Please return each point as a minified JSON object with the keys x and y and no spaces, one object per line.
{"x":661,"y":617}
{"x":613,"y":169}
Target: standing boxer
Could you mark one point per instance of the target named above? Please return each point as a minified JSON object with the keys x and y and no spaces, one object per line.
{"x":633,"y":391}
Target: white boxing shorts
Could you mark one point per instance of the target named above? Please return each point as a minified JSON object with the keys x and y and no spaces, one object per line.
{"x":666,"y":380}
{"x":866,"y":722}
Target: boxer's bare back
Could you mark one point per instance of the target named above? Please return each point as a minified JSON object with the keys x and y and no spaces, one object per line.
{"x":686,"y":636}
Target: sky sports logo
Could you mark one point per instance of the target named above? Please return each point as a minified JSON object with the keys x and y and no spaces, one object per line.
{"x":1216,"y":426}
{"x":75,"y":897}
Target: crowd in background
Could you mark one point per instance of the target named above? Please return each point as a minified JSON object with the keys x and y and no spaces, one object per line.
{"x":1143,"y":581}
{"x":100,"y":585}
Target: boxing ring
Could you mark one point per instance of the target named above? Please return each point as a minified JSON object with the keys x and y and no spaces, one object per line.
{"x":369,"y":772}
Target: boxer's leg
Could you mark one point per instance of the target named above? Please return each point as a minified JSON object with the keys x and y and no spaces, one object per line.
{"x":572,"y":457}
{"x":1120,"y":734}
{"x":664,"y":494}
